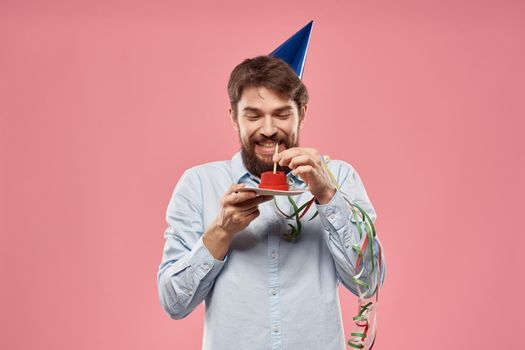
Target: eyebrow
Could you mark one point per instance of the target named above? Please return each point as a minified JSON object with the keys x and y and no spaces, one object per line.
{"x":277,"y":110}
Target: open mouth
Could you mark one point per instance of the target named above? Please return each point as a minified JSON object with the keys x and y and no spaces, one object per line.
{"x":268,"y":148}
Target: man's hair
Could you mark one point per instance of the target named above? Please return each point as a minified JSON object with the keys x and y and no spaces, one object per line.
{"x":270,"y":72}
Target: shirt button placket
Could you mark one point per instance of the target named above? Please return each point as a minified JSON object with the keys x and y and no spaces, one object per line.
{"x":273,"y":288}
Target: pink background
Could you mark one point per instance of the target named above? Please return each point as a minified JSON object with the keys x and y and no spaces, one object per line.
{"x":103,"y":104}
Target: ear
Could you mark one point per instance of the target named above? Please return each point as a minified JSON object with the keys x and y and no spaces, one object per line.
{"x":233,"y":120}
{"x":302,"y":116}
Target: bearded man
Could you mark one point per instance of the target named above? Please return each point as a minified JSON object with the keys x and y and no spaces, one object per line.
{"x":226,"y":247}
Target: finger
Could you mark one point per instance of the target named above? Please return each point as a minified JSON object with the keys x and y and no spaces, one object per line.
{"x":253,"y":214}
{"x":287,"y":154}
{"x":243,"y":214}
{"x":253,"y":202}
{"x":238,"y":197}
{"x":305,"y":159}
{"x":303,"y":170}
{"x":265,"y":198}
{"x":235,"y":187}
{"x":253,"y":210}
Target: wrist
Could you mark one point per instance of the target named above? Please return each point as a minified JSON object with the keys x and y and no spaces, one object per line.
{"x":218,"y":233}
{"x":327,"y":196}
{"x":217,"y":241}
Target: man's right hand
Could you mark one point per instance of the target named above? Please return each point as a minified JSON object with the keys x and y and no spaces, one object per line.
{"x":237,"y":210}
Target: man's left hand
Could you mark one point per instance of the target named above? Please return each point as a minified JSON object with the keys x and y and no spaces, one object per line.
{"x":307,"y":163}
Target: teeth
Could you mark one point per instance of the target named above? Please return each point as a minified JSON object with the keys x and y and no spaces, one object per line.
{"x":268,"y":144}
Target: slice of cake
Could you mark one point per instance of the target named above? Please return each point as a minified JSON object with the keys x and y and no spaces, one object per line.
{"x":271,"y":181}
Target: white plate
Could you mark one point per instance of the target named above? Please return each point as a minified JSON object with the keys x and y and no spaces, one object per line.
{"x":267,"y":192}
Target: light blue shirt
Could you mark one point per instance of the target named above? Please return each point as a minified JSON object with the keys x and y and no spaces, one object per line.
{"x":268,"y":293}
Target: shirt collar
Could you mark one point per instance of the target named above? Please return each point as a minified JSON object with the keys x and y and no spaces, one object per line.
{"x":239,"y":171}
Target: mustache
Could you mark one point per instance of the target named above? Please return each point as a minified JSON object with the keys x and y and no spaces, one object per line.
{"x":275,"y":139}
{"x":266,"y":139}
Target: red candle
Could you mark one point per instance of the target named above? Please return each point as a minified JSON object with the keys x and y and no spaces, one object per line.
{"x":271,"y":181}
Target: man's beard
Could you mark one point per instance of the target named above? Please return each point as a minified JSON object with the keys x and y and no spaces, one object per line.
{"x":257,"y":166}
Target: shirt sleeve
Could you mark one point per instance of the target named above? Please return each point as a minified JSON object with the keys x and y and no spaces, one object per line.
{"x":341,"y":234}
{"x":188,"y":270}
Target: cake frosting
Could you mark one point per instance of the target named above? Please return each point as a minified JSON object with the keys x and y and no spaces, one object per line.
{"x":271,"y":181}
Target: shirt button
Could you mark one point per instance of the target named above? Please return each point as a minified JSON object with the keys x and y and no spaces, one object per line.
{"x":274,"y":291}
{"x":275,"y":328}
{"x":206,"y":266}
{"x":274,"y":255}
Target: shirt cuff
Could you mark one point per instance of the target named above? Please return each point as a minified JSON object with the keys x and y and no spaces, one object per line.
{"x":334,"y":213}
{"x":205,"y":266}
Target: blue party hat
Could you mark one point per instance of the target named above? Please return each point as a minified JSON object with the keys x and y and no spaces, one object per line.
{"x":293,"y":51}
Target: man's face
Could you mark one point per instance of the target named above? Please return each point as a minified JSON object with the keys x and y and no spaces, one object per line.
{"x":264,"y":119}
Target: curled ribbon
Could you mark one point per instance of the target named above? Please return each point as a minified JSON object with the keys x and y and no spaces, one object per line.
{"x":366,"y":318}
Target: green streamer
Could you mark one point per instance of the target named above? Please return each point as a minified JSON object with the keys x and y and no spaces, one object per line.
{"x":358,"y":341}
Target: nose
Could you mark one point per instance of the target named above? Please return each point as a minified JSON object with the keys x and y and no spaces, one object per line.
{"x":268,"y":129}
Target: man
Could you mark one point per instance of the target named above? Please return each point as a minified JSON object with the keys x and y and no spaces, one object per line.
{"x":226,"y":247}
{"x":232,"y":249}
